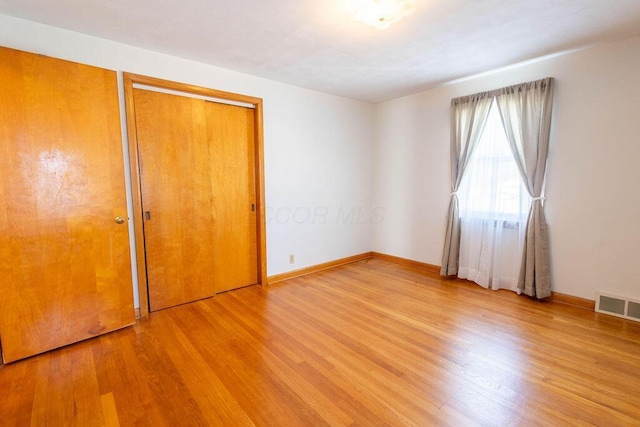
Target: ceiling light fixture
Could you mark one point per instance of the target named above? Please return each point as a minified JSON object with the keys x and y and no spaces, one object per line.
{"x":381,"y":13}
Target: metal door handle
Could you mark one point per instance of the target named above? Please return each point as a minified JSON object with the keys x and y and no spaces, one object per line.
{"x":119,"y":220}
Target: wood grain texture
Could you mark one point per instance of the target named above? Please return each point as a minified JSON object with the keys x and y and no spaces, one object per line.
{"x":134,"y":168}
{"x":407,"y":262}
{"x":318,"y":267}
{"x":561,"y":298}
{"x":369,"y":343}
{"x":65,"y":269}
{"x":129,"y":80}
{"x":230,"y":136}
{"x":261,"y":207}
{"x":175,"y":172}
{"x":556,"y":297}
{"x":188,"y":88}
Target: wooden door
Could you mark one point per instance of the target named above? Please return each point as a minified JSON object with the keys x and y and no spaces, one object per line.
{"x":175,"y":178}
{"x":65,"y":272}
{"x":230,"y":131}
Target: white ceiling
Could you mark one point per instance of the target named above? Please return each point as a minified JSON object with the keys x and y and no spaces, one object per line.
{"x":315,"y":44}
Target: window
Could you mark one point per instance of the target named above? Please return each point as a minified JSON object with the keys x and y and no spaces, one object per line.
{"x":492,"y":188}
{"x":490,"y":207}
{"x":494,"y":205}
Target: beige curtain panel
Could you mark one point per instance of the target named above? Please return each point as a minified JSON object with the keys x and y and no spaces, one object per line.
{"x":525,"y":110}
{"x":468,"y":118}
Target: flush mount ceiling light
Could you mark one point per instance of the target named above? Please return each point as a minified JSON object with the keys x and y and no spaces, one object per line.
{"x":381,"y":13}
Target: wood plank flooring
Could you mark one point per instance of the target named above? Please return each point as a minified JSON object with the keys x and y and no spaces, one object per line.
{"x":371,"y":343}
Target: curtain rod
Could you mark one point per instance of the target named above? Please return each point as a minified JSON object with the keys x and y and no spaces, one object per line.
{"x":507,"y":89}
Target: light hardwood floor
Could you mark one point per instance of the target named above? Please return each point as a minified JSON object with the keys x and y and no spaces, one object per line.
{"x":371,"y":343}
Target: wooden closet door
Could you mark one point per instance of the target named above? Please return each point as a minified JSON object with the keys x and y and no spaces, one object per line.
{"x":65,"y":272}
{"x":175,"y":177}
{"x":230,"y":131}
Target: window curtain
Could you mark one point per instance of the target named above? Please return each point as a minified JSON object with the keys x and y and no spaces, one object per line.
{"x":468,"y":118}
{"x":493,"y":212}
{"x":525,"y":110}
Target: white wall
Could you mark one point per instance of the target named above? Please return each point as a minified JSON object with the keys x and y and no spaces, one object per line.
{"x":317,"y":146}
{"x":593,"y":180}
{"x":319,"y":159}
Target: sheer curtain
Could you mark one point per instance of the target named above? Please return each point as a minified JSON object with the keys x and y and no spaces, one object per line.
{"x":494,"y":205}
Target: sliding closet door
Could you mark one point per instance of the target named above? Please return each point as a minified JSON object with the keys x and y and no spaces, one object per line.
{"x":230,"y":131}
{"x":65,"y":272}
{"x":175,"y":177}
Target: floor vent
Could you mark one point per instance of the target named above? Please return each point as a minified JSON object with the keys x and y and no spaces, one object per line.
{"x":618,"y":306}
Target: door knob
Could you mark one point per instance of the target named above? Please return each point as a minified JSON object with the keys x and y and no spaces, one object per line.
{"x":119,"y":220}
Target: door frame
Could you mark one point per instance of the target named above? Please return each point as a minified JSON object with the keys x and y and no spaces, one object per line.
{"x":129,"y":80}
